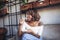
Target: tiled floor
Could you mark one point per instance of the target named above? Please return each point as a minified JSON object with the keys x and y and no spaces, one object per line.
{"x":51,"y":32}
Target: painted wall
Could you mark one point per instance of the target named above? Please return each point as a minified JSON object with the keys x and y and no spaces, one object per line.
{"x":50,"y":15}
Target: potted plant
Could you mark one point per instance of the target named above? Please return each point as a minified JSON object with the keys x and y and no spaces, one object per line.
{"x":24,"y":1}
{"x":25,"y":5}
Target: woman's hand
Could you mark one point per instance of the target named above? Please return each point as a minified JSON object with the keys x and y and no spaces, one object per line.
{"x":21,"y":21}
{"x":29,"y":31}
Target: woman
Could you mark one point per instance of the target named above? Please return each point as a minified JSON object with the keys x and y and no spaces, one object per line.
{"x":31,"y":28}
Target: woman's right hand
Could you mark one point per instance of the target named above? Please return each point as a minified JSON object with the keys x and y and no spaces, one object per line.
{"x":29,"y":31}
{"x":21,"y":21}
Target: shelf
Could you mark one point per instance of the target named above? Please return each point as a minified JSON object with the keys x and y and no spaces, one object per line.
{"x":26,"y":6}
{"x":35,"y":5}
{"x":54,"y":2}
{"x":36,"y":8}
{"x":40,"y":4}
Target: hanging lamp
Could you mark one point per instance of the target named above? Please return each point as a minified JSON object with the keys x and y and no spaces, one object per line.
{"x":41,"y":1}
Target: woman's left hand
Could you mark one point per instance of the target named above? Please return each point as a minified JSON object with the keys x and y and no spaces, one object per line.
{"x":29,"y":31}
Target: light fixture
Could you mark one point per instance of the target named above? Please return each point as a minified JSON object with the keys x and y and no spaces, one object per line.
{"x":41,"y":1}
{"x":31,"y":1}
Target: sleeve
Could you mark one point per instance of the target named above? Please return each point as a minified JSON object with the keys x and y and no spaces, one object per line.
{"x":23,"y":27}
{"x":40,"y":30}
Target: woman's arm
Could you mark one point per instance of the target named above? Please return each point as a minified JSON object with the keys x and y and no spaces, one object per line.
{"x":36,"y":35}
{"x":31,"y":32}
{"x":19,"y":30}
{"x":20,"y":27}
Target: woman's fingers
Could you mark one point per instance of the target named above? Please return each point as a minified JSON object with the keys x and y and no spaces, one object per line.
{"x":21,"y":21}
{"x":29,"y":30}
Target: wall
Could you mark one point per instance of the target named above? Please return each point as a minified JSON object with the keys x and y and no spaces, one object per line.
{"x":50,"y":15}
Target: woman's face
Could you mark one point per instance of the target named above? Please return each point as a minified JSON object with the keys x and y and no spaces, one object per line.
{"x":29,"y":17}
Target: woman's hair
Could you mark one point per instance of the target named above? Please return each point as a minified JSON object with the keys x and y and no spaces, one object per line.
{"x":34,"y":14}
